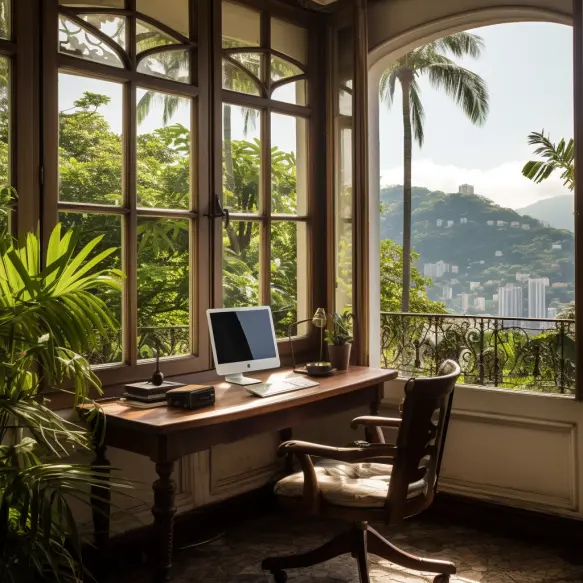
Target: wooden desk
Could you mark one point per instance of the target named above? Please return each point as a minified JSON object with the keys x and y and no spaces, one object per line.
{"x":165,"y":435}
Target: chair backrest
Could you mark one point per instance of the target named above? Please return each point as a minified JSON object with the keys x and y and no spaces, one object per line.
{"x":420,"y":442}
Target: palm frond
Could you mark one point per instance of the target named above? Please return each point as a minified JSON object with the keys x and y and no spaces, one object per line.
{"x":465,"y":87}
{"x":460,"y":44}
{"x":387,"y":86}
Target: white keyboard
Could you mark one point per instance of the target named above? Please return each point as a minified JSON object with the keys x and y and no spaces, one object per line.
{"x":283,"y":386}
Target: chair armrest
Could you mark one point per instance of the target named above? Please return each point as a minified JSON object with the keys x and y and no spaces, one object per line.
{"x":344,"y":454}
{"x":376,"y":421}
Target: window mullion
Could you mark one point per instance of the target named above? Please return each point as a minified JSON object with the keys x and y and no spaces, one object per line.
{"x":130,"y":239}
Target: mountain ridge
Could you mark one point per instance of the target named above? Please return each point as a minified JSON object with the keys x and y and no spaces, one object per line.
{"x":557,"y":211}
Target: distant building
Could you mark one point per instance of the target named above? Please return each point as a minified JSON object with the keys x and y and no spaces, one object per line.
{"x":465,"y":302}
{"x":522,"y":277}
{"x":510,"y":301}
{"x":501,"y":223}
{"x":515,"y":224}
{"x":482,"y":262}
{"x":450,"y":224}
{"x":466,"y":189}
{"x":490,"y":223}
{"x":498,"y":254}
{"x":447,"y":292}
{"x":439,"y":222}
{"x":546,"y":280}
{"x":495,"y":298}
{"x":559,"y":284}
{"x":454,"y":269}
{"x":480,"y":304}
{"x":525,"y":226}
{"x":463,"y":221}
{"x":537,"y":303}
{"x":474,"y":285}
{"x":557,"y":246}
{"x":551,"y":313}
{"x":435,"y":269}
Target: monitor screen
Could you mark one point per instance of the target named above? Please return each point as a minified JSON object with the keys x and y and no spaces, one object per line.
{"x":242,"y":335}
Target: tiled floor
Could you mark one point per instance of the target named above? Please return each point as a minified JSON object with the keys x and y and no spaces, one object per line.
{"x":479,"y":557}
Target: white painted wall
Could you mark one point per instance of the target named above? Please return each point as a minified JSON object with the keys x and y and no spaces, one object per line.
{"x":517,"y":448}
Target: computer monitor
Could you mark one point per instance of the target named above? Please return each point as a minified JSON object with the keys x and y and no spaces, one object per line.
{"x":243,"y":340}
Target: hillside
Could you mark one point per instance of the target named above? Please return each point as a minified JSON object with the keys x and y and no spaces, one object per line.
{"x":489,"y":255}
{"x":556,"y":211}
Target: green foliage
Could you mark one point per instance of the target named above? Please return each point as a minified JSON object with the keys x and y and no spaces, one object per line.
{"x":49,"y":317}
{"x":467,"y":245}
{"x":340,"y":333}
{"x":392,"y":284}
{"x":556,"y":157}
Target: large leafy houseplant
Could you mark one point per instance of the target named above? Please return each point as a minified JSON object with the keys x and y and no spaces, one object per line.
{"x":49,"y":317}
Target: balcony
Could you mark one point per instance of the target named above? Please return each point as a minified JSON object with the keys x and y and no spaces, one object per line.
{"x":510,"y":353}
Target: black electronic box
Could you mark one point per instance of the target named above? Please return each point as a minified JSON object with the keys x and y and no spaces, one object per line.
{"x":191,"y":397}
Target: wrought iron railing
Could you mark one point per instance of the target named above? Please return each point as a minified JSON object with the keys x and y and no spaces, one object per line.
{"x":170,"y":340}
{"x":517,"y":353}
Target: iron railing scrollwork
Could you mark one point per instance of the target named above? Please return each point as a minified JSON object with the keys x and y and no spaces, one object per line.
{"x":516,"y":353}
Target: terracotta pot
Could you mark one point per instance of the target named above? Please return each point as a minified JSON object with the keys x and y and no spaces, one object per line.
{"x":339,"y":355}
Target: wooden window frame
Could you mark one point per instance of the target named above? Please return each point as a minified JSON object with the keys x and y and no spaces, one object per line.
{"x":132,"y":368}
{"x":315,"y":217}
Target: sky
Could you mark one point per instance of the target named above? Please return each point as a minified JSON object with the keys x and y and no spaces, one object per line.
{"x":528,"y":70}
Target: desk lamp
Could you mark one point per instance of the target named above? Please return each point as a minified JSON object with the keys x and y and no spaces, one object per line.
{"x":319,"y":320}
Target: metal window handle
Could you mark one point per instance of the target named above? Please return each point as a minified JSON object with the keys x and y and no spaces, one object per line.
{"x":218,"y":211}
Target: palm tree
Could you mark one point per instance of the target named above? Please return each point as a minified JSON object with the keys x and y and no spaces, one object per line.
{"x":465,"y":87}
{"x":559,"y":156}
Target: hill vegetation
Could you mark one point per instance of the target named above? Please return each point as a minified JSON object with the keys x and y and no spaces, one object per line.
{"x":488,"y":254}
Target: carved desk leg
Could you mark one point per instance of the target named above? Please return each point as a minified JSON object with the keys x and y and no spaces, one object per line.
{"x":101,"y":502}
{"x":163,"y":511}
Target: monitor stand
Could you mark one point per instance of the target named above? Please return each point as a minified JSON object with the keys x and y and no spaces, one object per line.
{"x":240,"y":379}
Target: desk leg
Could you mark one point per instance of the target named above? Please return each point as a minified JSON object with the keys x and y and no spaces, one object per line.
{"x":101,"y":502}
{"x":163,"y":511}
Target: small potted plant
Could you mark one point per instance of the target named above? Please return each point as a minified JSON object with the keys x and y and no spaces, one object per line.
{"x":339,"y":340}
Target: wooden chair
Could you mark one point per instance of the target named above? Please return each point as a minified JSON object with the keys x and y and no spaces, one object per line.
{"x":398,"y":481}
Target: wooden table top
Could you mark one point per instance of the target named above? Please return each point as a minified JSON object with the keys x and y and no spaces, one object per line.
{"x":233,"y":402}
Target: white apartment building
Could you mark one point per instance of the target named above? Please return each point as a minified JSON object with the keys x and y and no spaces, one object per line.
{"x":510,"y":301}
{"x":466,"y":189}
{"x":537,"y":303}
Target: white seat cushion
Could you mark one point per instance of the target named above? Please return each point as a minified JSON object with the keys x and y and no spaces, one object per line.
{"x":363,"y":485}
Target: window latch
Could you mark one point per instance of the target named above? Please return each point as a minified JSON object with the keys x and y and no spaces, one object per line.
{"x":218,"y":211}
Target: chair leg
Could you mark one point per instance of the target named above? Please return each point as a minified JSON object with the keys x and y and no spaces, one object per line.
{"x":360,"y":552}
{"x":380,"y":546}
{"x":339,"y":545}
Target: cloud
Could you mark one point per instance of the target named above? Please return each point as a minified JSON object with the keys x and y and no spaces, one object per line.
{"x":503,"y":184}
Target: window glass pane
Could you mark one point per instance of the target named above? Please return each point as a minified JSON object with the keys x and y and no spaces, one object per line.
{"x":241,"y":264}
{"x":289,"y":275}
{"x":289,"y":39}
{"x":163,"y":287}
{"x":149,"y":37}
{"x":91,"y":226}
{"x":241,"y":26}
{"x":76,"y":41}
{"x":172,"y":13}
{"x":90,"y":142}
{"x":163,"y":150}
{"x":345,"y":102}
{"x":5,"y":6}
{"x":172,"y":64}
{"x":113,"y":26}
{"x":294,"y":92}
{"x":238,"y":78}
{"x":282,"y":69}
{"x":288,"y":164}
{"x":343,"y":196}
{"x":241,"y":158}
{"x":94,"y":3}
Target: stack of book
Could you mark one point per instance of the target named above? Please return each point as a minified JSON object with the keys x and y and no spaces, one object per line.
{"x":147,"y":395}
